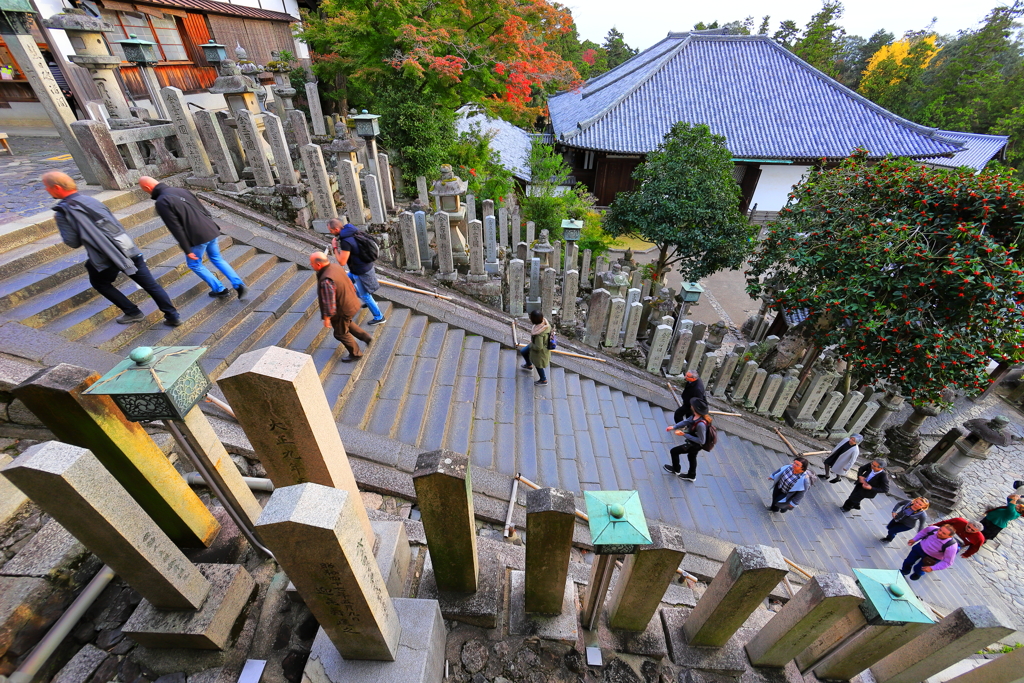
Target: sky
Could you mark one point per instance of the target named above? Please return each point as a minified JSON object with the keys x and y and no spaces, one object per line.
{"x":648,"y":21}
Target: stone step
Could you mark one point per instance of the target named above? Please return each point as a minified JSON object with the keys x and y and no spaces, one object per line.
{"x":459,"y":424}
{"x":421,"y":382}
{"x":435,"y":419}
{"x":383,"y":416}
{"x":328,"y":355}
{"x":291,"y":321}
{"x":309,"y":337}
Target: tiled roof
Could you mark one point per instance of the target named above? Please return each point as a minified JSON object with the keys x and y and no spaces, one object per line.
{"x":978,"y":150}
{"x":212,"y":7}
{"x":510,"y":142}
{"x":767,"y":102}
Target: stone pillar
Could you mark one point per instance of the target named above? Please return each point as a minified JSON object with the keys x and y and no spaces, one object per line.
{"x":316,"y":178}
{"x":420,"y":219}
{"x":874,"y":432}
{"x":286,"y":173}
{"x":677,"y":360}
{"x":724,"y":375}
{"x":315,"y":535}
{"x":503,"y":226}
{"x":547,"y":292}
{"x":842,"y":415}
{"x":860,"y":418}
{"x":616,"y":316}
{"x":644,"y":578}
{"x":125,"y":449}
{"x":488,"y":209}
{"x":530,"y":236}
{"x":857,"y":645}
{"x":739,"y":391}
{"x":213,"y":140}
{"x":789,"y":385}
{"x":569,"y":288}
{"x":768,"y":393}
{"x":550,"y":520}
{"x":697,"y":351}
{"x":632,"y":296}
{"x":252,"y":145}
{"x":597,"y":317}
{"x":749,"y":574}
{"x":522,"y":252}
{"x":387,"y":190}
{"x":633,"y":317}
{"x":659,"y":347}
{"x":516,"y":226}
{"x":490,"y":242}
{"x":585,"y":268}
{"x":904,"y":441}
{"x":707,"y":367}
{"x":299,"y":127}
{"x":348,"y":179}
{"x":188,"y":136}
{"x":444,"y":492}
{"x":533,"y":300}
{"x":960,"y":634}
{"x":71,"y":485}
{"x":443,"y":240}
{"x":803,"y":416}
{"x":822,"y":602}
{"x":316,"y":112}
{"x":750,"y":400}
{"x":410,"y":243}
{"x":280,"y":403}
{"x":470,"y":207}
{"x":421,"y":190}
{"x":826,"y":410}
{"x":1005,"y":668}
{"x":476,"y":253}
{"x":373,"y":196}
{"x":516,"y":284}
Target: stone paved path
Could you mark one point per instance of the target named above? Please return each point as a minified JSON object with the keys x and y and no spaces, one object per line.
{"x":21,"y":193}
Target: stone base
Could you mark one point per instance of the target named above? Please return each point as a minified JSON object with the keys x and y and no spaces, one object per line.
{"x":562,"y":627}
{"x":208,"y":628}
{"x":478,"y":278}
{"x":535,"y":305}
{"x":492,"y":268}
{"x":233,"y":188}
{"x":647,"y":643}
{"x":210,"y":183}
{"x":477,"y":609}
{"x":939,"y":489}
{"x":392,"y":555}
{"x":420,"y":652}
{"x":792,"y":421}
{"x":321,"y":227}
{"x":447,"y":277}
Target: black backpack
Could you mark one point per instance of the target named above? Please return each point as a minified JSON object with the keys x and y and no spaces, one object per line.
{"x":367,"y":246}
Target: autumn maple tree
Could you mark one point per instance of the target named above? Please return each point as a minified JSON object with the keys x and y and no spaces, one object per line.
{"x":911,"y":273}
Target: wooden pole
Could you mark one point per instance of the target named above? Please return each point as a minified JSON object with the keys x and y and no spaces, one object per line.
{"x":719,"y":412}
{"x":798,"y":568}
{"x":815,"y":452}
{"x":413,"y":289}
{"x":511,"y":506}
{"x":786,"y":441}
{"x":672,"y":390}
{"x":578,"y":355}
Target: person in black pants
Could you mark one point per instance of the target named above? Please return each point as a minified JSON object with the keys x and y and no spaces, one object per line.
{"x":872,"y":479}
{"x":84,"y":221}
{"x":695,"y":430}
{"x":694,"y":389}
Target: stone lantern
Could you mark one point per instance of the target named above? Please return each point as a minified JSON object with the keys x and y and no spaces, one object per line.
{"x":345,"y":147}
{"x":447,"y":197}
{"x":543,"y":250}
{"x":571,"y":230}
{"x":617,"y":527}
{"x":143,"y":54}
{"x":690,"y":293}
{"x":214,"y":52}
{"x":167,"y":383}
{"x":91,"y":53}
{"x":239,"y":91}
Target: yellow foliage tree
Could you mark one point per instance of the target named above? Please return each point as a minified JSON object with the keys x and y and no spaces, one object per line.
{"x":894,"y":72}
{"x":898,"y":52}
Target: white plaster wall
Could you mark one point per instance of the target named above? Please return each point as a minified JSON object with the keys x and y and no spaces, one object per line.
{"x":775,"y":184}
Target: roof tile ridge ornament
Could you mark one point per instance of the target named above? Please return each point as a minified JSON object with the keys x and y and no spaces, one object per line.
{"x":924,"y":131}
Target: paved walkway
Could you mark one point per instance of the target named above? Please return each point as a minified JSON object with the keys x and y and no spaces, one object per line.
{"x":21,"y":193}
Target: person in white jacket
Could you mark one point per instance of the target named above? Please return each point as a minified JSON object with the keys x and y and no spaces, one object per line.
{"x":842,"y":458}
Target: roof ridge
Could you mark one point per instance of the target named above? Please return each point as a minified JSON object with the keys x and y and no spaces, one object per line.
{"x":620,"y":72}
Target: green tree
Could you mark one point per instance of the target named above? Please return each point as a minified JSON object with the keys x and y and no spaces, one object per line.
{"x":686,"y":203}
{"x":765,"y":25}
{"x":423,"y":135}
{"x":820,"y":45}
{"x":616,"y":49}
{"x":476,"y":162}
{"x":787,"y":33}
{"x":910,"y":272}
{"x":542,"y":203}
{"x":854,"y":54}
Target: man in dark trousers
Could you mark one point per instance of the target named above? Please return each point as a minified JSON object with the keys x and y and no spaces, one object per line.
{"x":360,"y":270}
{"x":196,"y":232}
{"x":85,"y":221}
{"x":338,"y":304}
{"x":694,"y":389}
{"x":872,"y":479}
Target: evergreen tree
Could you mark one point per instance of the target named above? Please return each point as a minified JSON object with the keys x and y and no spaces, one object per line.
{"x":616,"y":49}
{"x":763,"y":29}
{"x":787,"y":33}
{"x":820,"y":45}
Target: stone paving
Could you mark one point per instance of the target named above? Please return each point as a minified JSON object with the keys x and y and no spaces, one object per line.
{"x":21,"y":193}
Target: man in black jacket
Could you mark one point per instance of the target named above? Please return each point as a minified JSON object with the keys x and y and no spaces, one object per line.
{"x":196,"y":232}
{"x":872,"y":479}
{"x":694,"y":389}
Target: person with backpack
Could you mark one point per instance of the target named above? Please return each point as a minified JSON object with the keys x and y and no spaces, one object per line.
{"x":789,"y":484}
{"x":537,"y":354}
{"x":934,"y":551}
{"x":85,"y":221}
{"x":968,"y":532}
{"x":700,"y":436}
{"x":357,"y":250}
{"x":904,"y":516}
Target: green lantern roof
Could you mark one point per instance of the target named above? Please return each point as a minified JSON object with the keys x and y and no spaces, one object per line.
{"x":890,"y":599}
{"x":158,"y":383}
{"x":16,"y":6}
{"x":617,"y":522}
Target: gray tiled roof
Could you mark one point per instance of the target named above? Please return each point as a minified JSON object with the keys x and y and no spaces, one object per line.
{"x":768,"y":103}
{"x":510,"y":142}
{"x":978,"y":150}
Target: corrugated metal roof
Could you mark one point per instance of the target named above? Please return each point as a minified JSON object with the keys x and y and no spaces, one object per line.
{"x":510,"y":142}
{"x":978,"y":150}
{"x":767,"y":102}
{"x":223,"y":8}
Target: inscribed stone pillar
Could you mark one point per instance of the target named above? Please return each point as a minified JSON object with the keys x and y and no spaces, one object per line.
{"x":373,"y":196}
{"x":585,"y":268}
{"x":299,"y":127}
{"x":488,"y":209}
{"x":315,"y":535}
{"x":845,"y":411}
{"x":387,"y":189}
{"x":739,"y":391}
{"x":633,"y":316}
{"x":530,"y":230}
{"x":490,"y":242}
{"x":635,"y":279}
{"x":550,"y":520}
{"x":476,"y":253}
{"x":286,"y":173}
{"x":659,"y":347}
{"x":470,"y":207}
{"x":699,"y":330}
{"x":632,"y":296}
{"x":421,"y":190}
{"x":420,"y":219}
{"x":597,"y":317}
{"x":348,"y":179}
{"x":707,"y":367}
{"x":789,"y":385}
{"x":533,"y":300}
{"x":252,"y":145}
{"x":960,"y":634}
{"x":125,"y":449}
{"x":188,"y":136}
{"x":616,"y":315}
{"x":410,"y":242}
{"x":522,"y":252}
{"x":822,"y":602}
{"x":516,"y":284}
{"x":644,"y":578}
{"x":515,"y":226}
{"x":1006,"y":668}
{"x":444,"y":491}
{"x":569,"y":288}
{"x":503,"y":226}
{"x":677,"y":359}
{"x":443,"y":240}
{"x":697,"y":350}
{"x":316,"y":178}
{"x":724,"y":375}
{"x":280,"y":403}
{"x":860,"y":418}
{"x":749,"y":574}
{"x":826,"y":409}
{"x":71,"y":485}
{"x":812,"y":395}
{"x":547,"y":293}
{"x":316,"y":112}
{"x":750,"y":400}
{"x":768,"y":393}
{"x":213,"y":140}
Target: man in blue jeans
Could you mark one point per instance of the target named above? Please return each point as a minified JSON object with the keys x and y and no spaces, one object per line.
{"x":196,"y":232}
{"x":360,"y":271}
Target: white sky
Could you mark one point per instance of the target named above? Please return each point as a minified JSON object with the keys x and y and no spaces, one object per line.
{"x":645,"y":22}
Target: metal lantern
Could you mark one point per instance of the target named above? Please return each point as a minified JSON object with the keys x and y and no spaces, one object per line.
{"x":139,"y":51}
{"x":571,"y":230}
{"x":366,"y":125}
{"x":691,"y":292}
{"x":214,"y":52}
{"x":14,"y":19}
{"x":889,"y":598}
{"x":159,"y":383}
{"x":617,"y":523}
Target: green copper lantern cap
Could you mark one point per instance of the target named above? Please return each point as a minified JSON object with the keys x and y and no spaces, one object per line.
{"x":617,"y":522}
{"x":16,"y":6}
{"x":156,"y":383}
{"x":890,"y":599}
